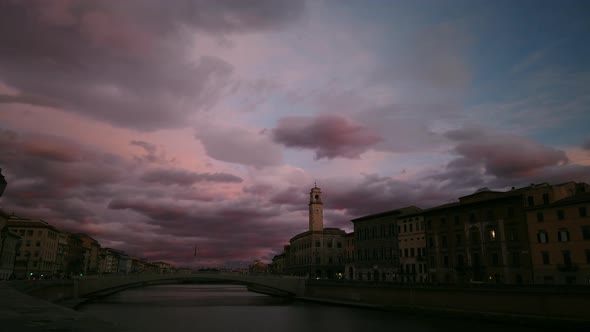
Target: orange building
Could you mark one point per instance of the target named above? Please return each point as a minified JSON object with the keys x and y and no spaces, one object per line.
{"x":559,"y":234}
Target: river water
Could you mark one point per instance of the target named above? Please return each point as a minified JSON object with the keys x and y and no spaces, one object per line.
{"x":187,"y":308}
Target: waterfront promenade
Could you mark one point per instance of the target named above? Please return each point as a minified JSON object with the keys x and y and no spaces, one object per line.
{"x":24,"y":313}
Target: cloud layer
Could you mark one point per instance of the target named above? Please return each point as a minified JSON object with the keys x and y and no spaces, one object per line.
{"x":155,"y":126}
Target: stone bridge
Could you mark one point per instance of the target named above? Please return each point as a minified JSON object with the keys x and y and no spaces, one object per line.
{"x":78,"y":289}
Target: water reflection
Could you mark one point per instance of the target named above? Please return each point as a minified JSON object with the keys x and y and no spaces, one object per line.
{"x":184,"y":308}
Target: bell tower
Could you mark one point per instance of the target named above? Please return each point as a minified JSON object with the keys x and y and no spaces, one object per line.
{"x":316,"y":209}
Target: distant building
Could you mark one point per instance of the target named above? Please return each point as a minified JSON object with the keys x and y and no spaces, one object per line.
{"x":37,"y":254}
{"x":377,"y":245}
{"x":91,"y":249}
{"x":258,"y":267}
{"x":110,"y":260}
{"x":318,"y":252}
{"x":278,"y":265}
{"x":163,"y":267}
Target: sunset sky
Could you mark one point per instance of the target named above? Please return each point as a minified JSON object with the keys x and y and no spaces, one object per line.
{"x":154,"y":126}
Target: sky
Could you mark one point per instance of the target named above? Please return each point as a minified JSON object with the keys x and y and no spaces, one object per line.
{"x":156,"y":126}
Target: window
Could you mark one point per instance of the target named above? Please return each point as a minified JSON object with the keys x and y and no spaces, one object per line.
{"x":545,"y":257}
{"x":512,"y":235}
{"x":588,"y":256}
{"x":582,"y":211}
{"x":412,"y":252}
{"x":444,"y":241}
{"x":458,"y":239}
{"x":460,"y":260}
{"x":318,"y":260}
{"x":411,"y":226}
{"x":457,"y":220}
{"x":30,"y":232}
{"x":531,"y":200}
{"x":586,"y":232}
{"x":510,"y":212}
{"x":542,"y":237}
{"x":475,"y":236}
{"x":545,"y":198}
{"x":540,"y":216}
{"x":318,"y":244}
{"x":330,"y":260}
{"x":515,"y":258}
{"x":567,"y":258}
{"x":37,"y":243}
{"x":492,"y":234}
{"x":406,"y":252}
{"x":560,"y":215}
{"x":405,"y":228}
{"x":494,"y":259}
{"x":446,"y":261}
{"x":490,"y":215}
{"x":36,"y":254}
{"x":472,"y":217}
{"x":330,"y":243}
{"x":443,"y":222}
{"x":430,"y":242}
{"x":39,"y":233}
{"x":339,"y":245}
{"x":563,"y":235}
{"x":28,"y":243}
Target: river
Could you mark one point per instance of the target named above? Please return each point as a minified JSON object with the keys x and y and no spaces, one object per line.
{"x":187,"y":308}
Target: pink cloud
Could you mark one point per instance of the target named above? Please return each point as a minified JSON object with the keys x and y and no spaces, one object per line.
{"x":330,"y":136}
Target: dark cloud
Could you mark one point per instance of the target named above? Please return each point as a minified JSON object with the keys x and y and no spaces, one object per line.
{"x":586,"y":145}
{"x":237,"y":145}
{"x":294,"y":196}
{"x":116,"y":62}
{"x":233,"y":230}
{"x":27,"y":99}
{"x":152,"y":154}
{"x":506,"y":155}
{"x":186,"y":178}
{"x":330,"y":136}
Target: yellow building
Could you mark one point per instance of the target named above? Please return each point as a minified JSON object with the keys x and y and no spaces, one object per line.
{"x":412,"y":248}
{"x":559,"y":234}
{"x":37,"y":255}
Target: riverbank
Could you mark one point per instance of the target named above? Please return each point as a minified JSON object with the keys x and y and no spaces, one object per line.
{"x":24,"y":313}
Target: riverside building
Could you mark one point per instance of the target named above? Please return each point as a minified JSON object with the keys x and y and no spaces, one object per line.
{"x":317,"y":252}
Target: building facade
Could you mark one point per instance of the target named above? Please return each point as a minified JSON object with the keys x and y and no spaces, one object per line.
{"x":559,"y":233}
{"x":318,"y":252}
{"x":36,"y":257}
{"x":377,"y":245}
{"x":486,"y":236}
{"x":91,"y":249}
{"x":9,"y":245}
{"x":413,"y":266}
{"x":349,"y":256}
